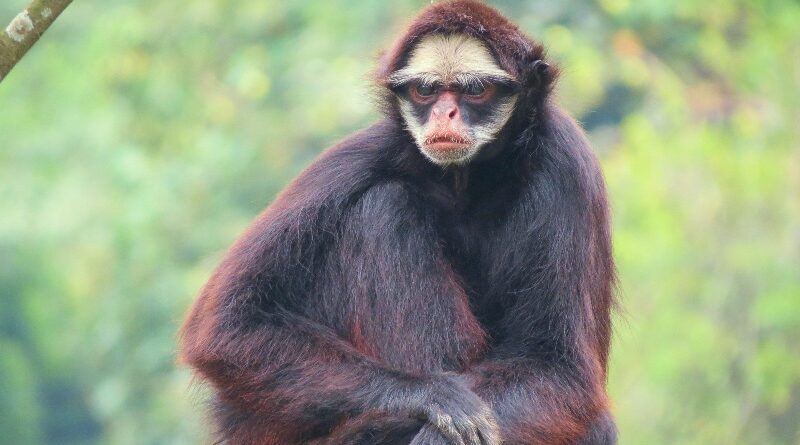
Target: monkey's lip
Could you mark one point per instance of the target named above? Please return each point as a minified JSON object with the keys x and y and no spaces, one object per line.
{"x":447,"y":146}
{"x":446,"y":142}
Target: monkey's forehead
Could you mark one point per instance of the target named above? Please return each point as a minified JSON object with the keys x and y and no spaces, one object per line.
{"x":449,"y":58}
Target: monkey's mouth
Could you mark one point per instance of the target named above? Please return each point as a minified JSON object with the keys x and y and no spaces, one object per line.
{"x":447,"y":142}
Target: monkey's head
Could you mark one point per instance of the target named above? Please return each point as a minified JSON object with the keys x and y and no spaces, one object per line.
{"x":459,"y":75}
{"x":453,"y":96}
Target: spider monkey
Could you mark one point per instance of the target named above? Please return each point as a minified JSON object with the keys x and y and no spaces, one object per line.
{"x":442,"y":277}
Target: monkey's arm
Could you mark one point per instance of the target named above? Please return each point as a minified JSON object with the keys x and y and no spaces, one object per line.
{"x":246,"y":334}
{"x":290,"y":374}
{"x":293,"y":376}
{"x":545,"y":376}
{"x":416,"y":313}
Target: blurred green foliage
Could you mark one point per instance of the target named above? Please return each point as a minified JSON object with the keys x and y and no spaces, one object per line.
{"x":137,"y":139}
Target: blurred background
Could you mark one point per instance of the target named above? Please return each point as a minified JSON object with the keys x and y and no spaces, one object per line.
{"x":138,"y":139}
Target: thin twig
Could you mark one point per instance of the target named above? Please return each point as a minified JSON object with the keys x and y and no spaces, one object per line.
{"x":25,"y":30}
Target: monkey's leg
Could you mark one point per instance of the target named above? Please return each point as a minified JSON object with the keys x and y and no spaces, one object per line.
{"x":602,"y":432}
{"x":373,"y":429}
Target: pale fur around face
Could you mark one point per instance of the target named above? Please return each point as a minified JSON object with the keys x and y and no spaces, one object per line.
{"x":448,"y":58}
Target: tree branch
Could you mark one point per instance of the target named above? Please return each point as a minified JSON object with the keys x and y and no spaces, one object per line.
{"x":25,"y":30}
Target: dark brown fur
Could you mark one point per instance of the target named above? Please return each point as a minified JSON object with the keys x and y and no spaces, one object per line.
{"x":373,"y":279}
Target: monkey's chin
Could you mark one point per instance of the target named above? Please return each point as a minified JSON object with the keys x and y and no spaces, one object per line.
{"x":446,"y":153}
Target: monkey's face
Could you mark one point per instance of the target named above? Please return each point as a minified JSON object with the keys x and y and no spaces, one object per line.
{"x":453,"y":96}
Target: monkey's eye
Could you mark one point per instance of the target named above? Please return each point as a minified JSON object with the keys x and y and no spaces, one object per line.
{"x":423,"y":93}
{"x":424,"y":90}
{"x":474,"y":89}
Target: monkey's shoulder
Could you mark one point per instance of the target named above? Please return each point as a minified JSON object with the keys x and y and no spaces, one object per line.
{"x":343,"y":171}
{"x":360,"y":154}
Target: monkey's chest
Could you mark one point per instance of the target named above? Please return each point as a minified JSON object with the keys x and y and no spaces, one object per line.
{"x":477,"y":251}
{"x":421,"y":326}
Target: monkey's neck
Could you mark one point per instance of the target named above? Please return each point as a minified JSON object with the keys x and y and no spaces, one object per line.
{"x":490,"y":157}
{"x":457,"y":178}
{"x":460,"y":181}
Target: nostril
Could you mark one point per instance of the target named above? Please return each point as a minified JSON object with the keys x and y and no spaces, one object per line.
{"x":453,"y":112}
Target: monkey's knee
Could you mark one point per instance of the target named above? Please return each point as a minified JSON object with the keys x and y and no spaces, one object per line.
{"x":602,"y":432}
{"x":373,"y":429}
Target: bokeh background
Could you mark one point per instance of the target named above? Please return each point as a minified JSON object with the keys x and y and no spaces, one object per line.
{"x":137,"y":139}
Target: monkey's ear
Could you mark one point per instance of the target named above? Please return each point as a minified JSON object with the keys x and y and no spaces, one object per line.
{"x":540,"y":67}
{"x":538,"y":72}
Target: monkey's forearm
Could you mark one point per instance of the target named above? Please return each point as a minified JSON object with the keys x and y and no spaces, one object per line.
{"x":535,"y":406}
{"x":298,"y":376}
{"x":301,"y":374}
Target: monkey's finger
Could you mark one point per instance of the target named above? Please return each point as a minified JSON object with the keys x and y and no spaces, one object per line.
{"x":489,"y":439}
{"x":424,"y":436}
{"x":490,"y":434}
{"x":468,"y":431}
{"x":453,"y":436}
{"x":445,"y":425}
{"x":487,"y":429}
{"x":471,"y":436}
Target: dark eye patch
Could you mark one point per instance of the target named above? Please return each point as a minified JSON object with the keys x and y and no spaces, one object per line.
{"x":473,"y":89}
{"x":472,"y":113}
{"x":422,"y":88}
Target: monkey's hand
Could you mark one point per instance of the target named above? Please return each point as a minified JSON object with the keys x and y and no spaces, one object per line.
{"x":429,"y":435}
{"x":458,"y":415}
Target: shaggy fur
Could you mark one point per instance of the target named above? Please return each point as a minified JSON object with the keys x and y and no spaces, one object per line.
{"x":379,"y":286}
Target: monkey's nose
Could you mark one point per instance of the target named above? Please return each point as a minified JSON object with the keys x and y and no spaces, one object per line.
{"x":449,"y":110}
{"x":452,"y":112}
